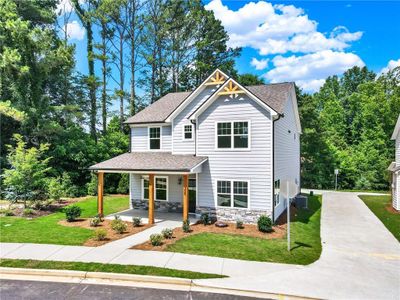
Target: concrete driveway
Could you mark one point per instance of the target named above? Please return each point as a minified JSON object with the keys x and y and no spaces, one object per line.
{"x":360,"y":258}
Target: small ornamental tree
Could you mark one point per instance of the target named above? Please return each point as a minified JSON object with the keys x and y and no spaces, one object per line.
{"x":26,"y":178}
{"x":55,"y":189}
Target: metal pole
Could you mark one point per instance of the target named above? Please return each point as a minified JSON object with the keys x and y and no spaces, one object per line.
{"x":336,"y":181}
{"x":288,"y":216}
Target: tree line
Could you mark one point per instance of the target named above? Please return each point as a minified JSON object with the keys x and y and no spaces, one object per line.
{"x":145,"y":49}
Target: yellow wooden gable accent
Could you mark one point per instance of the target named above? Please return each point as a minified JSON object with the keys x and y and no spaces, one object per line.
{"x":231,"y":89}
{"x":217,"y":79}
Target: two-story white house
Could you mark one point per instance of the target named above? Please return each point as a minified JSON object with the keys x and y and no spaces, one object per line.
{"x":223,"y":148}
{"x":394,"y":167}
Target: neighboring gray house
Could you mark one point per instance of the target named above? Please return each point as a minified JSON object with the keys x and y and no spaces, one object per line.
{"x":224,"y":148}
{"x":395,"y":168}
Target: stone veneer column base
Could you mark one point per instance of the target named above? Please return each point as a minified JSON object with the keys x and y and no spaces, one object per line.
{"x":233,"y":214}
{"x":161,"y":206}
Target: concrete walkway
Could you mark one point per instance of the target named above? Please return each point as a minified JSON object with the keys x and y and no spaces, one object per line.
{"x":360,"y":258}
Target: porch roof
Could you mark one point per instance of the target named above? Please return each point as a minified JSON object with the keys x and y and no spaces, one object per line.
{"x":150,"y":162}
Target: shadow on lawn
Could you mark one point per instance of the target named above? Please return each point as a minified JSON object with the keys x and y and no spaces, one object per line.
{"x":304,"y":215}
{"x":300,"y":245}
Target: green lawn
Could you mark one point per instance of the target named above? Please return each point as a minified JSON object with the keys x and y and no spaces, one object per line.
{"x":305,"y":242}
{"x":109,"y":268}
{"x":377,"y":204}
{"x":45,"y":230}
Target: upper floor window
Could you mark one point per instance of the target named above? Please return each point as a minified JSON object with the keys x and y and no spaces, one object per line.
{"x":233,"y":135}
{"x":154,"y":138}
{"x":188,"y":132}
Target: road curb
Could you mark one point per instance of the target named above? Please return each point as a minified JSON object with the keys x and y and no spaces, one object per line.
{"x":103,"y":278}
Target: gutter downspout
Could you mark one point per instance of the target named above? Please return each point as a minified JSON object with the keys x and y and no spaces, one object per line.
{"x":195,"y":136}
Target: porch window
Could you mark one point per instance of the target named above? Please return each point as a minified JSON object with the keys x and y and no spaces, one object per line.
{"x":155,"y":138}
{"x":233,"y":135}
{"x":224,"y":193}
{"x":188,"y":132}
{"x":231,"y":193}
{"x":145,"y":188}
{"x":277,"y":187}
{"x":161,"y":188}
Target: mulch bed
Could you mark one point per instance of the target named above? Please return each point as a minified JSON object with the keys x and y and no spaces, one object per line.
{"x":106,"y":225}
{"x":18,"y":209}
{"x":391,"y":210}
{"x":247,"y":230}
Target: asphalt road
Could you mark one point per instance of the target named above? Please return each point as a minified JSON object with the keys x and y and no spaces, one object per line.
{"x":17,"y":289}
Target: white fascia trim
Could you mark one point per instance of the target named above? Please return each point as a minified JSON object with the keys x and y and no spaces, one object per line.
{"x":295,"y":109}
{"x":150,"y":124}
{"x":396,"y":129}
{"x":192,"y":95}
{"x":192,"y":170}
{"x":210,"y":100}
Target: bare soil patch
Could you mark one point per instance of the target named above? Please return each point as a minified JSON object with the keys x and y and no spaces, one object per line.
{"x":391,"y":210}
{"x":279,"y":231}
{"x":106,"y":225}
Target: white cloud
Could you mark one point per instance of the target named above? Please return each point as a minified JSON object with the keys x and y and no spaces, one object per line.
{"x":75,"y":30}
{"x":277,"y":29}
{"x":309,"y":71}
{"x":65,"y":6}
{"x":390,"y":66}
{"x":259,"y":64}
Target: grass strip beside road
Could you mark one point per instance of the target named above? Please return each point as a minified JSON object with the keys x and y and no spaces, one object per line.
{"x":107,"y":268}
{"x":380,"y":206}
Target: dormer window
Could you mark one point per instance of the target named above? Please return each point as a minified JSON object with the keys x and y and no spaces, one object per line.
{"x":188,"y":132}
{"x":154,"y":138}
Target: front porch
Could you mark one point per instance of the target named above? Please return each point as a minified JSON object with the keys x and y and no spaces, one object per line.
{"x":154,"y":169}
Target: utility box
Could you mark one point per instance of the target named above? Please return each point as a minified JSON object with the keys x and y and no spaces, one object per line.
{"x":301,"y":201}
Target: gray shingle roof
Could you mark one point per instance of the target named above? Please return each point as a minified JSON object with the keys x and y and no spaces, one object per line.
{"x":274,"y":95}
{"x":159,"y":110}
{"x":150,"y":161}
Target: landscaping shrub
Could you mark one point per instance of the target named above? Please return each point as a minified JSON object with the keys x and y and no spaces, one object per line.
{"x":264,"y":224}
{"x":239,"y":224}
{"x":72,"y":213}
{"x":156,"y":239}
{"x":7,"y":212}
{"x":118,"y":226}
{"x":186,"y":226}
{"x":94,"y":221}
{"x":136,"y":221}
{"x":167,"y":233}
{"x":55,"y":189}
{"x":28,"y":211}
{"x":205,"y":218}
{"x":100,"y":234}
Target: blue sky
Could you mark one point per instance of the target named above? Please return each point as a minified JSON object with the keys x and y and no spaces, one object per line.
{"x":302,"y":41}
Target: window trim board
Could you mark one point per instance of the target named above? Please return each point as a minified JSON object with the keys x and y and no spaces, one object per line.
{"x":232,"y":193}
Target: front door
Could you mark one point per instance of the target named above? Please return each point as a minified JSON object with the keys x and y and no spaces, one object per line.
{"x":192,"y":195}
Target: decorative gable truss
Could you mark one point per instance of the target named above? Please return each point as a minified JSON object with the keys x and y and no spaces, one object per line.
{"x":232,"y":89}
{"x":217,"y":78}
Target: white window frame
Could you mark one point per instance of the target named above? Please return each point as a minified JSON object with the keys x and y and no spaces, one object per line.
{"x":277,"y":196}
{"x":183,"y":132}
{"x":148,"y":138}
{"x":232,"y":193}
{"x":155,"y":188}
{"x":232,"y":148}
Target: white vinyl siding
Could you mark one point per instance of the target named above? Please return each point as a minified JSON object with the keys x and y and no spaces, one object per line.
{"x":286,"y":151}
{"x":175,"y":187}
{"x":253,"y":166}
{"x":181,"y":146}
{"x":140,"y":139}
{"x":396,"y":177}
